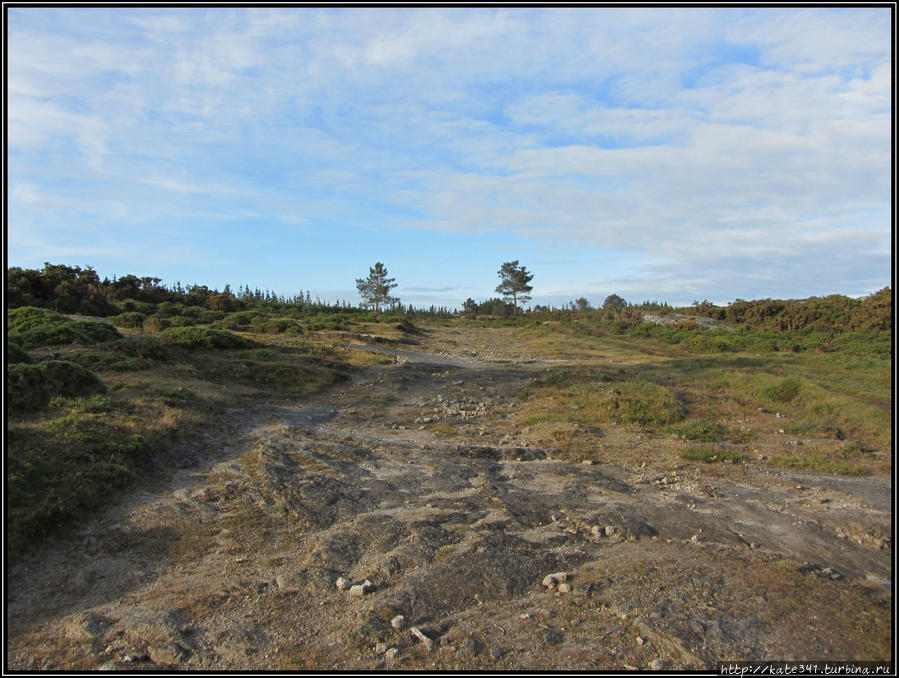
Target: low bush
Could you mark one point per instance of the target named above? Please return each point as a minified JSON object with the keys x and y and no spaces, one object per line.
{"x":30,"y":387}
{"x":784,"y":391}
{"x":29,"y":317}
{"x":129,"y":319}
{"x":641,"y":402}
{"x":202,"y":337}
{"x":16,"y":354}
{"x":96,"y":332}
{"x":140,"y":347}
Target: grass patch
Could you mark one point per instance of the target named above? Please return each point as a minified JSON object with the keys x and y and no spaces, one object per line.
{"x":819,"y":462}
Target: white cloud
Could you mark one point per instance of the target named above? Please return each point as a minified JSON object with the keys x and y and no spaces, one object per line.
{"x":682,"y":134}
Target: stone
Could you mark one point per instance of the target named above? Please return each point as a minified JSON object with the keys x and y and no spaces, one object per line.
{"x":551,"y":580}
{"x":391,"y":653}
{"x":564,"y":587}
{"x":398,"y":622}
{"x":417,"y":632}
{"x":640,"y":640}
{"x":657,"y":664}
{"x":360,"y":590}
{"x":342,"y":583}
{"x":610,"y":530}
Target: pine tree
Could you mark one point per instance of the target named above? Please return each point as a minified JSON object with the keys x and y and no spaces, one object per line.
{"x":375,"y":290}
{"x":514,"y":283}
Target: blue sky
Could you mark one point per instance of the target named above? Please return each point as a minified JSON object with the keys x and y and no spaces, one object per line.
{"x":671,"y":154}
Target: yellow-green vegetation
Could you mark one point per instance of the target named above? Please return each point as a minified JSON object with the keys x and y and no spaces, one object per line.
{"x":826,"y":399}
{"x":82,"y":427}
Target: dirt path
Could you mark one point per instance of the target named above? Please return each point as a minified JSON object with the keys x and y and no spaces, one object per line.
{"x":230,"y":561}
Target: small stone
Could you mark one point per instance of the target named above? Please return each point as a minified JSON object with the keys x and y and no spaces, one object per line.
{"x":391,"y":653}
{"x":640,"y":640}
{"x":564,"y":587}
{"x":398,"y":622}
{"x":596,"y":531}
{"x":610,"y":530}
{"x":588,"y":462}
{"x":555,"y":578}
{"x":657,"y":665}
{"x":342,"y":583}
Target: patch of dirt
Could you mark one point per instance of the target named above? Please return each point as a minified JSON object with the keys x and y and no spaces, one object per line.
{"x":412,"y":477}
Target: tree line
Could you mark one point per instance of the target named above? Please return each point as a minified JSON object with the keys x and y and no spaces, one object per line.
{"x":72,"y":289}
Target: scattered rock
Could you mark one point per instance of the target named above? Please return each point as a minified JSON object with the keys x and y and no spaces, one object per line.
{"x":398,"y":622}
{"x":657,"y":665}
{"x":391,"y":653}
{"x":417,"y":632}
{"x":640,"y":640}
{"x":360,"y":590}
{"x":342,"y":583}
{"x":564,"y":587}
{"x":610,"y":530}
{"x":552,"y":580}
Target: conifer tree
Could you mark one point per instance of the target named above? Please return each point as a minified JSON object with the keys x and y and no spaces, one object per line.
{"x":375,"y":290}
{"x":514,"y":283}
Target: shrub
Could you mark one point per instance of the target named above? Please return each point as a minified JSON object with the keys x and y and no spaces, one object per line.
{"x":157,"y":323}
{"x":30,"y":387}
{"x":16,"y":354}
{"x":784,"y":391}
{"x":129,"y":319}
{"x":641,"y":402}
{"x":30,"y":317}
{"x":140,"y":347}
{"x":50,"y":335}
{"x":96,"y":332}
{"x":202,"y":337}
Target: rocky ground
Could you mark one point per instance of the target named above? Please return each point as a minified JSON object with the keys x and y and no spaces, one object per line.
{"x":396,"y":521}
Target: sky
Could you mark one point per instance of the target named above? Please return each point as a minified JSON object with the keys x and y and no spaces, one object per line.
{"x":673,"y":154}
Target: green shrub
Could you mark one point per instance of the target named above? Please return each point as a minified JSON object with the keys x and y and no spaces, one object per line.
{"x":96,"y":332}
{"x":29,"y":317}
{"x":202,"y":337}
{"x":50,"y":335}
{"x":30,"y":387}
{"x":784,"y":391}
{"x":129,"y":319}
{"x":132,"y":305}
{"x":16,"y":354}
{"x":140,"y":347}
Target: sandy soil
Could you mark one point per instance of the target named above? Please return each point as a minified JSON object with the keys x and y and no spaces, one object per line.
{"x":410,"y":476}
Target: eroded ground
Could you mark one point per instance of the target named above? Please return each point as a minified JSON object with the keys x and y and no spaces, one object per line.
{"x":419,"y":477}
